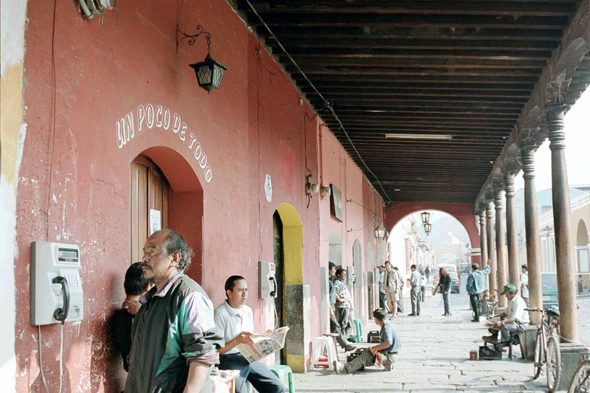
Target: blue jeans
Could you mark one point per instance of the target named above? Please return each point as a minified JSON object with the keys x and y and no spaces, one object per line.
{"x":446,"y":302}
{"x":256,"y":373}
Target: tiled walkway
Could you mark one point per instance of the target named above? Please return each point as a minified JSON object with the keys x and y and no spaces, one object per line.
{"x":434,"y":358}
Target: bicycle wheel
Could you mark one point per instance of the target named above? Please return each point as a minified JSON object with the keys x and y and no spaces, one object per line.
{"x":553,"y":364}
{"x":539,"y":355}
{"x":581,"y":381}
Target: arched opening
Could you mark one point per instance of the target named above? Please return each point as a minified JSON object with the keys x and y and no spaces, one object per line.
{"x":461,"y":212}
{"x":295,"y":304}
{"x":166,"y":193}
{"x":448,"y":242}
{"x":583,"y":258}
{"x":357,"y":279}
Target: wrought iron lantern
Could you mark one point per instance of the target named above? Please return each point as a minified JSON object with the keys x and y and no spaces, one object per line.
{"x":209,"y":72}
{"x":427,"y":228}
{"x":380,"y":232}
{"x":425,"y":217}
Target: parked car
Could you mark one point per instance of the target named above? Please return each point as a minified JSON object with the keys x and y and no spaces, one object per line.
{"x":465,"y":268}
{"x":455,"y":282}
{"x":549,"y":280}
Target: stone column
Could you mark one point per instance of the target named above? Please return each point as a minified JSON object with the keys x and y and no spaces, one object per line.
{"x":500,"y":243}
{"x":566,"y":272}
{"x":531,"y":222}
{"x":483,"y":237}
{"x":491,"y":244}
{"x":513,"y":262}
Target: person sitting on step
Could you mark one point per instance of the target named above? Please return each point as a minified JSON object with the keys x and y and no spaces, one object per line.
{"x":385,"y":352}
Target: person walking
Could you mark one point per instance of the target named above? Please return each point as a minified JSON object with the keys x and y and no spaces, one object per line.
{"x":392,"y":288}
{"x":416,"y":283}
{"x":476,"y":285}
{"x":444,"y":286}
{"x":427,"y":273}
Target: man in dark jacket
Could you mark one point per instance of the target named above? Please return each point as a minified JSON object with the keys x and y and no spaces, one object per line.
{"x":174,"y":341}
{"x":476,"y":284}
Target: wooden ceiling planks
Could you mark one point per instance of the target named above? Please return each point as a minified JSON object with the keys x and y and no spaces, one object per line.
{"x":460,"y":68}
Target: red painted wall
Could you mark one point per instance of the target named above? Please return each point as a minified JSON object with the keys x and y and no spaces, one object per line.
{"x":75,"y":174}
{"x":463,"y":212}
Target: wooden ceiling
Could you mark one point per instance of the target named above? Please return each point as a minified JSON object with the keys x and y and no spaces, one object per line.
{"x":460,"y":68}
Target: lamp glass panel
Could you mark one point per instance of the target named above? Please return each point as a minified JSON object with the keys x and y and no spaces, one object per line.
{"x":204,"y":75}
{"x":217,"y":74}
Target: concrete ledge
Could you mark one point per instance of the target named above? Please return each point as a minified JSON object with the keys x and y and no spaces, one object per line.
{"x":571,"y":355}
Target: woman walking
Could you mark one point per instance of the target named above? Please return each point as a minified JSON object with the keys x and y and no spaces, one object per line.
{"x":445,"y":288}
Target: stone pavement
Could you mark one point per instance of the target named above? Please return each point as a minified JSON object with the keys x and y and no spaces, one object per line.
{"x":434,"y":358}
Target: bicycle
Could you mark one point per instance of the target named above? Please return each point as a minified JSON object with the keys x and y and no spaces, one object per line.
{"x":580,"y":382}
{"x":547,"y":347}
{"x":488,"y":305}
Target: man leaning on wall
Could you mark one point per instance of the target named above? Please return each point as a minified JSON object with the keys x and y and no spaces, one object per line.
{"x":174,"y":342}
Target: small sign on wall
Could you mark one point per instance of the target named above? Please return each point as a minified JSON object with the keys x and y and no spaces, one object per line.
{"x":268,"y":188}
{"x":336,"y":203}
{"x":155,"y":221}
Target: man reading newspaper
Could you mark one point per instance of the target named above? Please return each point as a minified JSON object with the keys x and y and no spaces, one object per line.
{"x":235,"y":323}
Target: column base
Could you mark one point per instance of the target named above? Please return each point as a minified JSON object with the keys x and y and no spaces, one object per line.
{"x":571,"y":354}
{"x":528,"y":338}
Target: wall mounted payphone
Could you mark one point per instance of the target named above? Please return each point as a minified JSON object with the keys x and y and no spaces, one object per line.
{"x":267,"y":283}
{"x":56,"y":286}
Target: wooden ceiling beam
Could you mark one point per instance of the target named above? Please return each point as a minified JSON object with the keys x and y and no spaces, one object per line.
{"x":385,"y":7}
{"x":410,"y":20}
{"x":409,"y":79}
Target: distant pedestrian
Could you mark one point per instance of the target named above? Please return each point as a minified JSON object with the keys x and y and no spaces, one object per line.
{"x":416,"y":282}
{"x":476,"y":285}
{"x":382,"y":292}
{"x":400,"y":298}
{"x":444,"y":285}
{"x":391,"y":288}
{"x":423,"y":288}
{"x":524,"y":284}
{"x":580,"y":285}
{"x":427,"y":273}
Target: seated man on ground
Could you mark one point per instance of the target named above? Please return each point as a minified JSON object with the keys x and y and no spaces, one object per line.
{"x":235,"y":323}
{"x":384,"y":353}
{"x":514,"y":320}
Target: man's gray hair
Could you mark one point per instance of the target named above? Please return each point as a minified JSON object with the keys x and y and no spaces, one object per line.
{"x":175,"y":242}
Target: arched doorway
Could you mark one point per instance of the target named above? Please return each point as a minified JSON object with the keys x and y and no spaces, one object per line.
{"x":296,"y":296}
{"x":165,"y":188}
{"x":357,"y":280}
{"x":583,"y":258}
{"x":279,"y":260}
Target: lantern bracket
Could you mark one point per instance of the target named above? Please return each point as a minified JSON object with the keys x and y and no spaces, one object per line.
{"x":192,"y":38}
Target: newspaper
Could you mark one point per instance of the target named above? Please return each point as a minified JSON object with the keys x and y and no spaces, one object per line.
{"x":264,"y":344}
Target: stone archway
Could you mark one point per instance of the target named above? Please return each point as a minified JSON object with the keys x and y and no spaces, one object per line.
{"x":462,"y":212}
{"x":185,"y":202}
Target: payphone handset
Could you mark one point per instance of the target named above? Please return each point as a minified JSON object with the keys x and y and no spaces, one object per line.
{"x":267,"y":282}
{"x":56,"y":287}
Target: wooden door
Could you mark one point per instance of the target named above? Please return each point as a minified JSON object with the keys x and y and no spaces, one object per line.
{"x":149,"y":190}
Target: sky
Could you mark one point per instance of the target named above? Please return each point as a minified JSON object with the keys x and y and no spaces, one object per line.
{"x":577,"y":149}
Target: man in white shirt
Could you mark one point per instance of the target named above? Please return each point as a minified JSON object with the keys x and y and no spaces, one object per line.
{"x":515,"y":319}
{"x":524,"y":284}
{"x":416,"y":283}
{"x":235,"y":323}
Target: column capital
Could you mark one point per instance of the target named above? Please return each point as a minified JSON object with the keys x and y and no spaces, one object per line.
{"x":509,"y":184}
{"x":527,"y":154}
{"x":556,"y":124}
